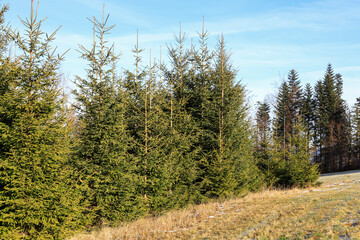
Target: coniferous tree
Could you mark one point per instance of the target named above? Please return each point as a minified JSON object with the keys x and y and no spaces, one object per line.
{"x":9,"y":70}
{"x":231,"y":167}
{"x":332,"y":125}
{"x":37,"y":198}
{"x":263,"y":138}
{"x":199,"y":105}
{"x":105,"y":169}
{"x":182,"y":146}
{"x":302,"y":172}
{"x":276,"y":171}
{"x":281,"y":110}
{"x":149,"y":129}
{"x":356,"y":134}
{"x":290,"y":153}
{"x":137,"y":117}
{"x":307,"y":111}
{"x":291,"y":166}
{"x":342,"y":127}
{"x":200,"y":89}
{"x":295,"y":96}
{"x":288,"y":107}
{"x":263,"y":121}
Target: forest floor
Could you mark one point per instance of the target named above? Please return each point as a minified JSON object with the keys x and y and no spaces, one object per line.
{"x":331,"y":211}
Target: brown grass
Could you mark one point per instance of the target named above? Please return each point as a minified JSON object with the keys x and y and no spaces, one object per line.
{"x":331,"y":211}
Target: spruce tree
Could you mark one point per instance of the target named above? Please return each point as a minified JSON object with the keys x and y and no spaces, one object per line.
{"x":307,"y":111}
{"x":356,"y":134}
{"x":105,"y":170}
{"x":37,"y":197}
{"x":295,"y":96}
{"x":293,"y":165}
{"x":182,"y":146}
{"x":332,"y":125}
{"x":9,"y":70}
{"x":288,"y":106}
{"x":231,"y":167}
{"x":281,"y":112}
{"x":200,"y":91}
{"x":263,"y":137}
{"x":290,"y":154}
{"x":199,"y":106}
{"x":149,"y":127}
{"x":276,"y":172}
{"x":302,"y":172}
{"x":263,"y":121}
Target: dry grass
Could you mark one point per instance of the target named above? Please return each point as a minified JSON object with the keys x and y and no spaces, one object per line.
{"x":331,"y":211}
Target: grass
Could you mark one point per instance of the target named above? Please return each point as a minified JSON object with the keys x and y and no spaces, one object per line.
{"x":331,"y":211}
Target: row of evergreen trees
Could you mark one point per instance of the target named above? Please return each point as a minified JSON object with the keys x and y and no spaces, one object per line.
{"x":152,"y":139}
{"x":315,"y":123}
{"x":157,"y":138}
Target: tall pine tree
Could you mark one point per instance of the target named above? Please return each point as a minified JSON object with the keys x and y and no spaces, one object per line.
{"x":182,"y":146}
{"x":332,"y":124}
{"x":101,"y":156}
{"x":37,"y":198}
{"x":263,"y":121}
{"x":231,"y":167}
{"x":288,"y":107}
{"x":281,"y":110}
{"x":263,"y":137}
{"x":356,"y":134}
{"x":307,"y":111}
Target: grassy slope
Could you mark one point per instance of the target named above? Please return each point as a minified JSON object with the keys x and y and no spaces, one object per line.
{"x":331,"y":211}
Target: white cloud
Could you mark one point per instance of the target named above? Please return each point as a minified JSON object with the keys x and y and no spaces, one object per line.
{"x":313,"y":16}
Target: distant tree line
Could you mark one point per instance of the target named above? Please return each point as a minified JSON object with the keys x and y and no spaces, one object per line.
{"x":318,"y":117}
{"x":155,"y":138}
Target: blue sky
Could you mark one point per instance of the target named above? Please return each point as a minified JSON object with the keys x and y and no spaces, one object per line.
{"x":266,"y":38}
